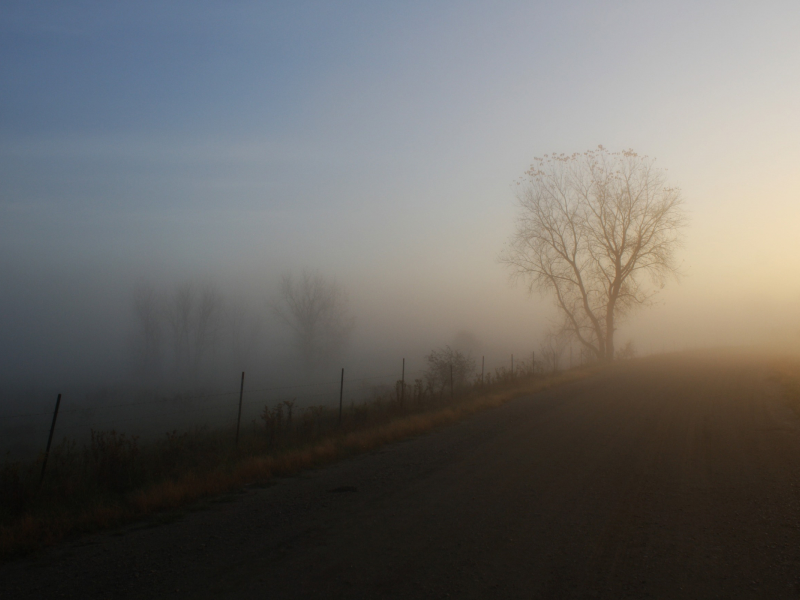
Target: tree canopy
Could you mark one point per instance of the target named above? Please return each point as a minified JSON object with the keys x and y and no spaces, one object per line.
{"x":599,"y":231}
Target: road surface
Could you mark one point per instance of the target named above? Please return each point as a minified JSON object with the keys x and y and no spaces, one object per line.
{"x":668,"y":478}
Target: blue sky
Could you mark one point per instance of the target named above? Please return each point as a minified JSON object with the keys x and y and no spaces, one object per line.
{"x":378,"y":142}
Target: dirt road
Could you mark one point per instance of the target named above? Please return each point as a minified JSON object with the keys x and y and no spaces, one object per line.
{"x":678,"y":477}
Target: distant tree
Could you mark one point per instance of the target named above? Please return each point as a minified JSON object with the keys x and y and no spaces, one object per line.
{"x":178,"y":333}
{"x":148,"y":330}
{"x":194,"y":316}
{"x":467,"y":342}
{"x":315,"y":309}
{"x":592,"y":229}
{"x":242,"y":333}
{"x":628,"y":351}
{"x":441,"y":363}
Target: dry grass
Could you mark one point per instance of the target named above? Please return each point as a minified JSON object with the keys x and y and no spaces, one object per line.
{"x":786,"y":372}
{"x":114,"y":481}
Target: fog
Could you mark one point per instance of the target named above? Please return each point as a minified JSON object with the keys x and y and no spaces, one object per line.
{"x":222,"y":147}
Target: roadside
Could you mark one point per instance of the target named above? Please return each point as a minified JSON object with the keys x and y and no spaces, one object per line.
{"x":670,"y":477}
{"x":127,"y":483}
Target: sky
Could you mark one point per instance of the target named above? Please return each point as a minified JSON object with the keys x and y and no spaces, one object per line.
{"x":378,"y":143}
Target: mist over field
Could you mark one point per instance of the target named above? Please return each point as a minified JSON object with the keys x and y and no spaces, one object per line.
{"x":215,"y":148}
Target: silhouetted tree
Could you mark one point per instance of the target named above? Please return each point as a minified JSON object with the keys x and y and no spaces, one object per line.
{"x":316,"y":311}
{"x":148,"y":330}
{"x":194,"y":317}
{"x":591,"y":229}
{"x":242,"y":333}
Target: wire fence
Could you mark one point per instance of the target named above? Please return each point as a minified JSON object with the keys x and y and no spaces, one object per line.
{"x":153,"y":413}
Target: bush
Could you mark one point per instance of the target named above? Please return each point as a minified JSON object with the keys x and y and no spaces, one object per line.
{"x":447,"y":364}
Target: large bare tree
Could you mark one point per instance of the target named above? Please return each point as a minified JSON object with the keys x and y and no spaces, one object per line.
{"x":599,"y":231}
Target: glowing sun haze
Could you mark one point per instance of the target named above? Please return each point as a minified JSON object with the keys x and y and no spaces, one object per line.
{"x":378,"y":143}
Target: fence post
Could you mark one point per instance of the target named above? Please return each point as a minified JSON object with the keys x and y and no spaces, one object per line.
{"x":239,"y":418}
{"x":50,"y":438}
{"x":483,"y":360}
{"x":403,"y":384}
{"x":341,"y":394}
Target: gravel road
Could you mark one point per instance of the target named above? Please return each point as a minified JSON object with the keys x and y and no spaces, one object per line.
{"x":668,"y":478}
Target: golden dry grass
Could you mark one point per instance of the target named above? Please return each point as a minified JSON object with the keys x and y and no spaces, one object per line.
{"x":43,"y":527}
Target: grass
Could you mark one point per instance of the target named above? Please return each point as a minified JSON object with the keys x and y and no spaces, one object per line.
{"x":114,"y":479}
{"x":786,"y":372}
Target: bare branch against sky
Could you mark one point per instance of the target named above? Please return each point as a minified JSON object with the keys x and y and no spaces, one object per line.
{"x":230,"y":142}
{"x":591,"y":229}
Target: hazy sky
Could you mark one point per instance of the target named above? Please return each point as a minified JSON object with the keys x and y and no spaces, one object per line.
{"x":378,"y":142}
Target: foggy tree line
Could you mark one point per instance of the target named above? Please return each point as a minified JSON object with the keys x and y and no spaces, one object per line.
{"x":184,"y":330}
{"x":314,"y":308}
{"x":180,"y":331}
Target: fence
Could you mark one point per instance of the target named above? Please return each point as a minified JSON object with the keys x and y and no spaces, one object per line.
{"x":148,"y":414}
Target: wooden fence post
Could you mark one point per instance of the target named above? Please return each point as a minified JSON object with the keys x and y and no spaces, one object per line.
{"x":50,"y":438}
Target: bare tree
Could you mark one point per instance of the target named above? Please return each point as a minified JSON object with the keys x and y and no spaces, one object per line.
{"x":242,"y":332}
{"x":316,"y":311}
{"x":149,"y":333}
{"x":195,"y":321}
{"x":593,"y":229}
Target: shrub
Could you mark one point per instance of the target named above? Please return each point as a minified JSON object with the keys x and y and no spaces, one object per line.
{"x":445,"y":364}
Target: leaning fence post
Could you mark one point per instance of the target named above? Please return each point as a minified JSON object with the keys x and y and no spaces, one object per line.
{"x":341,"y":394}
{"x":50,"y":438}
{"x":239,"y":418}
